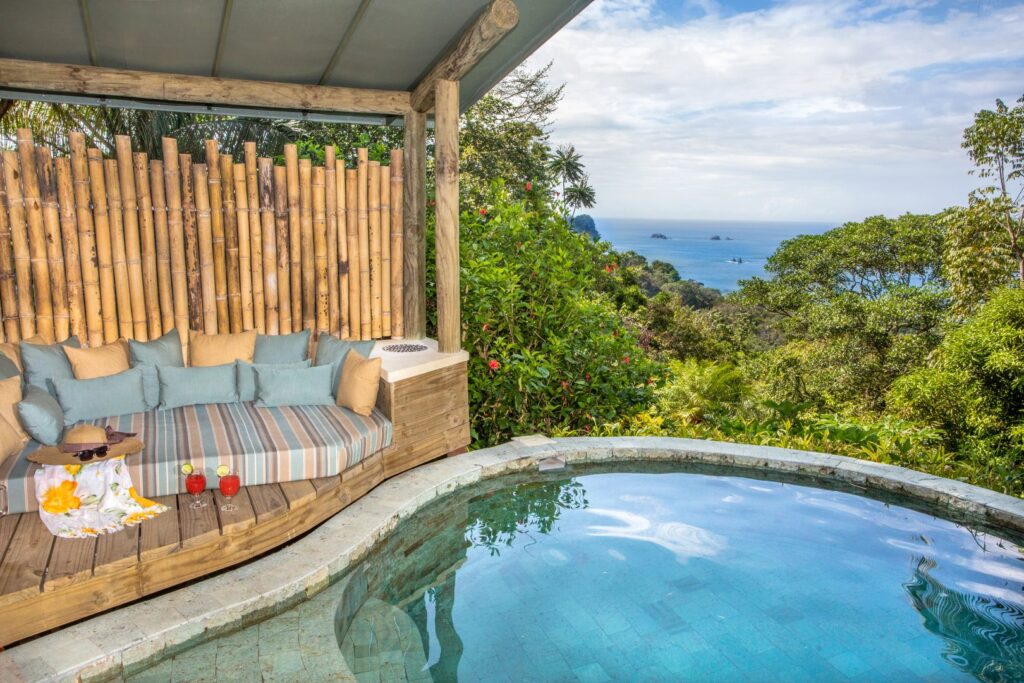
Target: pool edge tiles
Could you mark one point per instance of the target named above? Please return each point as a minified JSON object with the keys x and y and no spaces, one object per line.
{"x":131,"y":638}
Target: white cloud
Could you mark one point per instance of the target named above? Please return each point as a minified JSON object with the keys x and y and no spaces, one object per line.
{"x":804,"y":110}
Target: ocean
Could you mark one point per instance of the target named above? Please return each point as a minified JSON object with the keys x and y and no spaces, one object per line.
{"x":695,"y":255}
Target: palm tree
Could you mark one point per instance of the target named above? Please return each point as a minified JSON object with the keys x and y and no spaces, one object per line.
{"x":580,"y":195}
{"x":566,"y":165}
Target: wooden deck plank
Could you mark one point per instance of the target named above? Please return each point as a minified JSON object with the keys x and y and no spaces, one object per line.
{"x":118,"y":550}
{"x":71,"y":560}
{"x":241,"y":519}
{"x":160,"y":536}
{"x":268,"y":501}
{"x":298,"y":493}
{"x":198,"y":526}
{"x":325,"y":485}
{"x":8,"y":523}
{"x":21,"y":574}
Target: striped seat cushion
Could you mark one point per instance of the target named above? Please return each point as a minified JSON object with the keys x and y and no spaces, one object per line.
{"x":265,"y":446}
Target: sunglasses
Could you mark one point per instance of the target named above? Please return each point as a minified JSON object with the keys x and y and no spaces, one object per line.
{"x":86,"y":456}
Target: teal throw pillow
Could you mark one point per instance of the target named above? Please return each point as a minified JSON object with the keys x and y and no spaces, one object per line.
{"x":41,"y":416}
{"x":281,"y":348}
{"x":246,"y":375}
{"x":285,"y":387}
{"x":46,"y":362}
{"x":91,"y":399}
{"x":332,"y":351}
{"x":197,"y":386}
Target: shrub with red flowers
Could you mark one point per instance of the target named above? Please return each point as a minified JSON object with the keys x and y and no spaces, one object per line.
{"x":548,"y":352}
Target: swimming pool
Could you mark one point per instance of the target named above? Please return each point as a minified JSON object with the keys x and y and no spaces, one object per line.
{"x":652,"y":574}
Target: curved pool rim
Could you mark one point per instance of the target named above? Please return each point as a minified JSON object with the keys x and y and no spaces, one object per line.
{"x":134,"y":637}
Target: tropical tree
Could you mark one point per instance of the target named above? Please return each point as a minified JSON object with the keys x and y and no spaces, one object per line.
{"x":580,"y":195}
{"x":566,"y":166}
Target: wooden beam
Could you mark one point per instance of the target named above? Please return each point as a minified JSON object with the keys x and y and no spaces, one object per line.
{"x":446,"y":170}
{"x":493,"y":24}
{"x":20,"y":74}
{"x":414,"y":238}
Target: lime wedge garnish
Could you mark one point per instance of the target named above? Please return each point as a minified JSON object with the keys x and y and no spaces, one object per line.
{"x":187,"y":468}
{"x":222,"y":470}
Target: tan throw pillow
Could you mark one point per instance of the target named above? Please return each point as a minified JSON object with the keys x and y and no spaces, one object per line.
{"x":101,"y":361}
{"x":11,"y":442}
{"x":10,"y":396}
{"x":359,"y":382}
{"x":220,"y":349}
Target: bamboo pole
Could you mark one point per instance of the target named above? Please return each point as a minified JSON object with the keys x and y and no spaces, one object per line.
{"x":19,"y":241}
{"x":343,"y":278}
{"x":259,"y":302}
{"x":291,"y":165}
{"x":215,"y":194}
{"x":163,"y":245}
{"x":230,"y":218}
{"x":104,"y":253}
{"x":89,"y":258}
{"x":8,"y":296}
{"x":54,"y":250}
{"x":122,"y":290}
{"x":132,"y":241}
{"x":244,"y":246}
{"x":36,"y":234}
{"x":331,"y":187}
{"x":385,"y":251}
{"x":201,"y":187}
{"x":72,"y":257}
{"x":397,"y":246}
{"x":306,"y":224}
{"x":196,"y":318}
{"x":269,"y":250}
{"x":363,"y":198}
{"x":322,"y":298}
{"x":355,"y":295}
{"x":176,"y":240}
{"x":376,"y":288}
{"x":282,"y":228}
{"x":147,"y":242}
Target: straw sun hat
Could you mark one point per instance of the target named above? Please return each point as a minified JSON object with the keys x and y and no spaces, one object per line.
{"x":84,"y":444}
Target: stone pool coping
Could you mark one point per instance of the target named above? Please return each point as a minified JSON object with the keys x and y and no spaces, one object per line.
{"x":133,"y":637}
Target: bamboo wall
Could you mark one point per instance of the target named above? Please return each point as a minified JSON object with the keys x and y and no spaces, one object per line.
{"x":131,"y":247}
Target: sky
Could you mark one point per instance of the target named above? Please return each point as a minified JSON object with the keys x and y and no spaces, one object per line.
{"x":796,"y":110}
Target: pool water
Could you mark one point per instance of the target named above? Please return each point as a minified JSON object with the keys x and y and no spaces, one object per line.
{"x":651,"y":576}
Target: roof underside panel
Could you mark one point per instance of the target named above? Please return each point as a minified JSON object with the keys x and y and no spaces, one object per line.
{"x":391,"y":47}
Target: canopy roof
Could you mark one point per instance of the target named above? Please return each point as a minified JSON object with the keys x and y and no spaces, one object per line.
{"x":368,"y":44}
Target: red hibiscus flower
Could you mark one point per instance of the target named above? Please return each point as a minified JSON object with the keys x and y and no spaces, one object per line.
{"x":493,"y":365}
{"x":529,"y":186}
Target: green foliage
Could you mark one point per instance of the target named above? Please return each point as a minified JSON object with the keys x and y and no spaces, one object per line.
{"x":497,"y":518}
{"x":546,"y":351}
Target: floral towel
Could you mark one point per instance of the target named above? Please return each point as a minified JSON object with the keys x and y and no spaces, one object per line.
{"x":82,"y":501}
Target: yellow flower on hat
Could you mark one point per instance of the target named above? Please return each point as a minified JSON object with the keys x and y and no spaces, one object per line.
{"x":60,"y":498}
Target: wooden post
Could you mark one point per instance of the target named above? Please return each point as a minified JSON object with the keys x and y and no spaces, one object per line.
{"x":122,"y":290}
{"x":331,"y":188}
{"x":89,"y":260}
{"x":36,"y":234}
{"x":291,"y":166}
{"x":8,"y":297}
{"x":176,"y":239}
{"x":270,"y":237}
{"x":244,"y":248}
{"x":282,"y":226}
{"x":72,"y":257}
{"x":397,"y":246}
{"x":414,"y":220}
{"x":446,"y":134}
{"x":376,"y":288}
{"x":201,"y":187}
{"x":163,"y":245}
{"x":231,"y":242}
{"x":19,"y":240}
{"x":196,"y":316}
{"x":132,"y":241}
{"x":385,"y":251}
{"x":322,"y":291}
{"x":355,"y":308}
{"x":363,"y":215}
{"x":220,"y":279}
{"x":343,"y":267}
{"x":256,"y":240}
{"x":306,"y":262}
{"x":54,"y":250}
{"x":104,"y":250}
{"x":147,"y":242}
